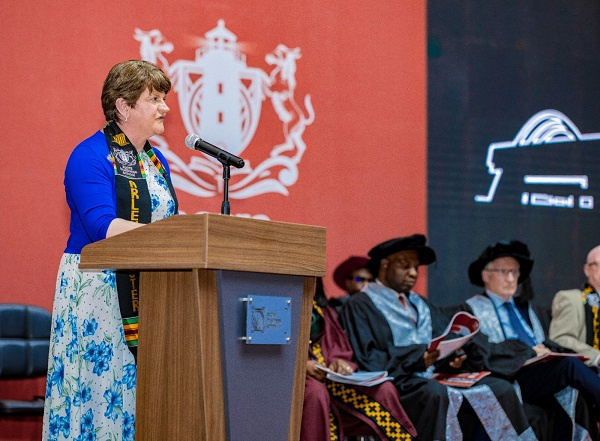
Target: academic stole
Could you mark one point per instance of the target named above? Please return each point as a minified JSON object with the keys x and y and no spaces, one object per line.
{"x":358,"y":401}
{"x":133,"y":204}
{"x":591,"y":304}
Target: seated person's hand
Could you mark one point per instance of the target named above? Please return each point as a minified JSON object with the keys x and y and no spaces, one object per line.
{"x":313,"y":371}
{"x":458,"y":358}
{"x":541,"y":349}
{"x":341,"y":367}
{"x":431,"y":357}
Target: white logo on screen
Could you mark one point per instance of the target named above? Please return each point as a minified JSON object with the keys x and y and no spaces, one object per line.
{"x":220,"y":99}
{"x":545,"y":127}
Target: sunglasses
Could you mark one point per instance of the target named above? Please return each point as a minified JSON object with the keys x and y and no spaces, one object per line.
{"x":359,"y":279}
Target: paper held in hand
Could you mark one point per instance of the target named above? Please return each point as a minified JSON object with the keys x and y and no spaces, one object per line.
{"x":463,"y":324}
{"x":358,"y":378}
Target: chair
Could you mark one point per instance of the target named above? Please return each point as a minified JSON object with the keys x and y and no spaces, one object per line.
{"x":24,"y":345}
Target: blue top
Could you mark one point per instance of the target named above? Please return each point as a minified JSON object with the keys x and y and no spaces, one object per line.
{"x":91,"y":191}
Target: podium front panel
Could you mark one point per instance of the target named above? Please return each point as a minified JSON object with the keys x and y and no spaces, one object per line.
{"x":196,"y":379}
{"x":258,"y":379}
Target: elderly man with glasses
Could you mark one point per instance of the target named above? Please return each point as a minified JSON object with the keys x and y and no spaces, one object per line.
{"x":575,"y":319}
{"x":499,"y":270}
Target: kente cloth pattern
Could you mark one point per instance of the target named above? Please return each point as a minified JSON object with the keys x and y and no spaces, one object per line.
{"x":135,"y":204}
{"x":373,"y":410}
{"x":91,"y":383}
{"x":591,"y":302}
{"x":130,"y":329}
{"x":362,"y":403}
{"x":334,"y":425}
{"x":334,"y":429}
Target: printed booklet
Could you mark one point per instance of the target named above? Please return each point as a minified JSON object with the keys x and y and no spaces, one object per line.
{"x":551,"y":355}
{"x":463,"y":324}
{"x":460,"y":380}
{"x":358,"y":378}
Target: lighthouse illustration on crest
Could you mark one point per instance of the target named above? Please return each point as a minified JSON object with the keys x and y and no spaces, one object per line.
{"x":223,"y":103}
{"x":220,"y":98}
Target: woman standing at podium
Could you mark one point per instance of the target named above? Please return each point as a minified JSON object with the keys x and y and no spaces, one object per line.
{"x":115,"y":181}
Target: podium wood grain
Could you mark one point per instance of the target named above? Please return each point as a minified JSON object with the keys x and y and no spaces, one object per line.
{"x":189,"y":405}
{"x":213,"y":241}
{"x":301,"y":359}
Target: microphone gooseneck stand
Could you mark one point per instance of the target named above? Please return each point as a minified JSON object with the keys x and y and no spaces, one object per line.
{"x":227,"y":159}
{"x":225,"y":204}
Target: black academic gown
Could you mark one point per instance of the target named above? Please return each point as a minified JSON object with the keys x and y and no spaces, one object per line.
{"x":424,"y":400}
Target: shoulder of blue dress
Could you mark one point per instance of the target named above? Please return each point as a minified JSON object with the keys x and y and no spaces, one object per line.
{"x":93,"y":147}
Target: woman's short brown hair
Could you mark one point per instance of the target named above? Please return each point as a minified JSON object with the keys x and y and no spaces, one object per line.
{"x":128,"y":80}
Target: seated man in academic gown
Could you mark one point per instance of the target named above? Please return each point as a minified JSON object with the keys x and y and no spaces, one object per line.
{"x":505,"y":319}
{"x":390,"y":328}
{"x":334,"y":410}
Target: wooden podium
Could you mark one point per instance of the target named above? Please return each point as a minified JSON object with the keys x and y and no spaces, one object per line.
{"x":198,"y":379}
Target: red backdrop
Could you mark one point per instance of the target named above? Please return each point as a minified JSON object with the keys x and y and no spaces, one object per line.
{"x":363,"y":171}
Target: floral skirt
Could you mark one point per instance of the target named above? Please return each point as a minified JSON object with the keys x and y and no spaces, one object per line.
{"x":90,"y":390}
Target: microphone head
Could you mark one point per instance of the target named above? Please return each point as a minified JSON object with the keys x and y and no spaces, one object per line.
{"x":190,"y":141}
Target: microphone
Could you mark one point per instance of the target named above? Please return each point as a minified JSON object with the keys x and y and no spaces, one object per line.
{"x":194,"y":142}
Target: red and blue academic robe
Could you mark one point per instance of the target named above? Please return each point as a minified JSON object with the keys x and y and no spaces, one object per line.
{"x":334,"y":410}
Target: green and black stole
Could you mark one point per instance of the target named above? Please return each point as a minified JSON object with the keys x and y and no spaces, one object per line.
{"x":133,"y":204}
{"x":591,"y":304}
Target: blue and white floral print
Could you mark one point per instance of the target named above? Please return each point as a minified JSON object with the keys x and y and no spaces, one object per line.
{"x":114,"y":399}
{"x":155,"y":202}
{"x":82,"y":394}
{"x":89,"y":327}
{"x":128,"y":427}
{"x":91,"y":383}
{"x":129,"y":376}
{"x":86,"y":428}
{"x":91,"y":375}
{"x":162,"y":202}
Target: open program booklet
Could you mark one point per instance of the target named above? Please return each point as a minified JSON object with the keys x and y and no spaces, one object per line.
{"x":463,"y":324}
{"x":358,"y":378}
{"x":551,"y":355}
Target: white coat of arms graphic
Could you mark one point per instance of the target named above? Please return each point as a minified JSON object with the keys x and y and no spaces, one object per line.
{"x":220,"y":99}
